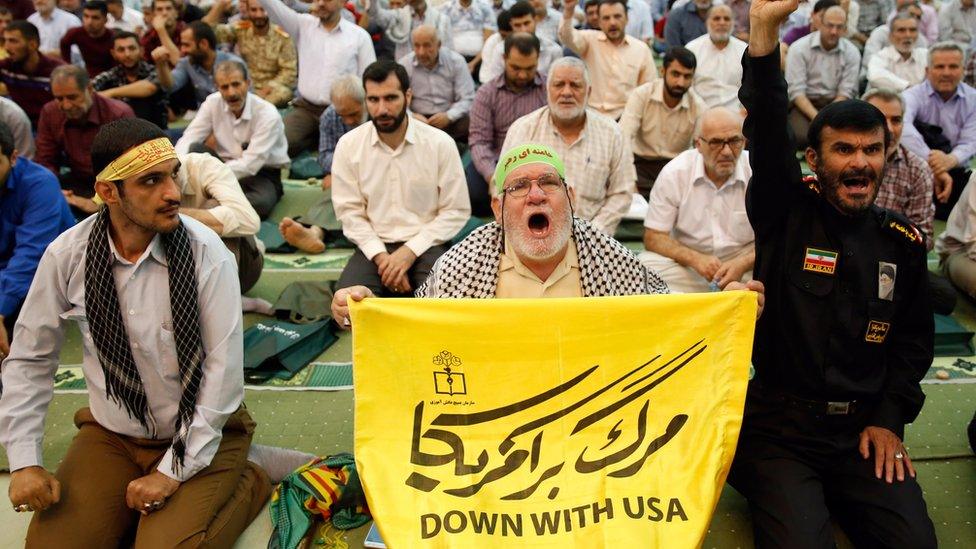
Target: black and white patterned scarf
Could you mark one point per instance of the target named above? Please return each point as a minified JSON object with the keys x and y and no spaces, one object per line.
{"x":122,"y":381}
{"x":470,"y":268}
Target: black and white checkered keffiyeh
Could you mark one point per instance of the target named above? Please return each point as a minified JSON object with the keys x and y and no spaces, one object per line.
{"x":122,"y":381}
{"x":470,"y":268}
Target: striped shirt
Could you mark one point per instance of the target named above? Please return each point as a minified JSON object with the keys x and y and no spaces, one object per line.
{"x":494,"y":109}
{"x":599,"y":164}
{"x":29,"y":91}
{"x":907,"y":189}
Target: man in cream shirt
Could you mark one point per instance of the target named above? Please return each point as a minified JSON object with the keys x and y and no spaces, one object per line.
{"x":398,"y":189}
{"x":617,"y":63}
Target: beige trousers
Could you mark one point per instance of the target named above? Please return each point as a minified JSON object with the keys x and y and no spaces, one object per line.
{"x":685,"y":280}
{"x":211,"y":509}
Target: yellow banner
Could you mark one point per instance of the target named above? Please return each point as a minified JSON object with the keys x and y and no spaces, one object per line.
{"x":597,"y":422}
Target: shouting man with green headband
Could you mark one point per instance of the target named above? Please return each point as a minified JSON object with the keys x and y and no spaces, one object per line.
{"x":535,"y":248}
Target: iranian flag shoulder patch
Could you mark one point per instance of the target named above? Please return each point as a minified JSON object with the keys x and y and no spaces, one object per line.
{"x":820,"y":261}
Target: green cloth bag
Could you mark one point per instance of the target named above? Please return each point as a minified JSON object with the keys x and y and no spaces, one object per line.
{"x":280,"y":349}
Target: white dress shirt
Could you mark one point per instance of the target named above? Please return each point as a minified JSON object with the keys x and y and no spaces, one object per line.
{"x":323,"y":56}
{"x":53,"y":28}
{"x":414,"y":194}
{"x":691,"y":209}
{"x":204,"y":178}
{"x":486,"y":52}
{"x":58,"y":295}
{"x":888,"y":69}
{"x":247,"y":144}
{"x":599,"y":164}
{"x":718,"y":75}
{"x":131,"y":21}
{"x":493,"y":66}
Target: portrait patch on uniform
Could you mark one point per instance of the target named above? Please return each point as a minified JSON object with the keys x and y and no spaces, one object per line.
{"x":886,"y":280}
{"x":820,"y":261}
{"x":877,"y":331}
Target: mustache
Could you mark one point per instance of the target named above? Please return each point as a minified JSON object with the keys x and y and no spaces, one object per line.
{"x":859,"y":172}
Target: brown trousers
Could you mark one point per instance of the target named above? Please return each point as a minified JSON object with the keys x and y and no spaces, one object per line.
{"x":211,"y":509}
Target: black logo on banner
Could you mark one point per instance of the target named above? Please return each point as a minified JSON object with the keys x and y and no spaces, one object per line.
{"x":449,"y":382}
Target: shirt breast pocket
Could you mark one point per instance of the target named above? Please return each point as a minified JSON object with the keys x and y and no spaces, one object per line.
{"x":420,"y":194}
{"x":593,"y":184}
{"x":168,"y":363}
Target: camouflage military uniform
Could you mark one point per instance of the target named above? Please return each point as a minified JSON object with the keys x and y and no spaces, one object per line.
{"x":271,"y":59}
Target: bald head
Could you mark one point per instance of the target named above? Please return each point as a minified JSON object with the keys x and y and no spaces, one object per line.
{"x":426,"y":45}
{"x":719,"y":119}
{"x":720,"y":142}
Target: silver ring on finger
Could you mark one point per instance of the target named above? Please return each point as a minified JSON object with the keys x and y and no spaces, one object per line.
{"x":899,"y":455}
{"x":23,"y":508}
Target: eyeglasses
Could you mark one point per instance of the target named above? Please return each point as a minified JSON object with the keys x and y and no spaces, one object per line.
{"x":520,"y":187}
{"x":718,"y":144}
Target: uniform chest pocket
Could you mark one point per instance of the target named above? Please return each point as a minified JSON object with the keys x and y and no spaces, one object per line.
{"x":816,"y":284}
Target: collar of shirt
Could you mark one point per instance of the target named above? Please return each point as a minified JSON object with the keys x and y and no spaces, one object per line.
{"x":409,"y":137}
{"x":94,"y":118}
{"x":441,"y":54}
{"x":338,"y":27}
{"x":245,"y":113}
{"x":547,"y":119}
{"x":738,"y":176}
{"x":930,"y":92}
{"x":499,"y":82}
{"x":628,"y":40}
{"x":657,"y":94}
{"x":154,"y":250}
{"x":815,"y":43}
{"x":510,"y":260}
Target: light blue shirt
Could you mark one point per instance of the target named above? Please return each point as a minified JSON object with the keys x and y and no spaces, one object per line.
{"x":956,"y":117}
{"x":447,"y":88}
{"x":201,"y":79}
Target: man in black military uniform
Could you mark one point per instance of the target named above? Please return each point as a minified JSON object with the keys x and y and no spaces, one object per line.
{"x":840,"y":349}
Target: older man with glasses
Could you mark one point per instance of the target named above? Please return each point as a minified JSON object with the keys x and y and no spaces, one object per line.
{"x":535,"y":248}
{"x":696,"y":231}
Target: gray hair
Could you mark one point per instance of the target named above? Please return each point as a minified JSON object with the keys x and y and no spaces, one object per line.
{"x":231,"y":66}
{"x":348,"y":86}
{"x":945,"y":45}
{"x":884,"y":94}
{"x":573,"y":62}
{"x":71,"y":72}
{"x":902,"y":15}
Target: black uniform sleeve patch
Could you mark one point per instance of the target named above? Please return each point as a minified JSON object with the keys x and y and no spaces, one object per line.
{"x":901,"y":228}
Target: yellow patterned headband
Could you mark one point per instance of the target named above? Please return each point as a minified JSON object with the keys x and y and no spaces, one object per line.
{"x":138,"y":159}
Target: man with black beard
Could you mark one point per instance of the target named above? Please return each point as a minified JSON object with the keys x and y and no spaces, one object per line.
{"x":669,"y":103}
{"x":397,"y":187}
{"x":838,"y":357}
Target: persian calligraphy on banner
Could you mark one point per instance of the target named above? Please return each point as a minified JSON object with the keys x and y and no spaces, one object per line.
{"x":592,"y":422}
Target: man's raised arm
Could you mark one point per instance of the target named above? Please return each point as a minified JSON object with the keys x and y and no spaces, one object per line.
{"x":775,"y":170}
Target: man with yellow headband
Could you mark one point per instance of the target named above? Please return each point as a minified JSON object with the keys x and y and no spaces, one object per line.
{"x":535,"y":248}
{"x":161,"y":452}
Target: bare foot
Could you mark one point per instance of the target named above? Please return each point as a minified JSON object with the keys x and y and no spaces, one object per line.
{"x":305,"y":239}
